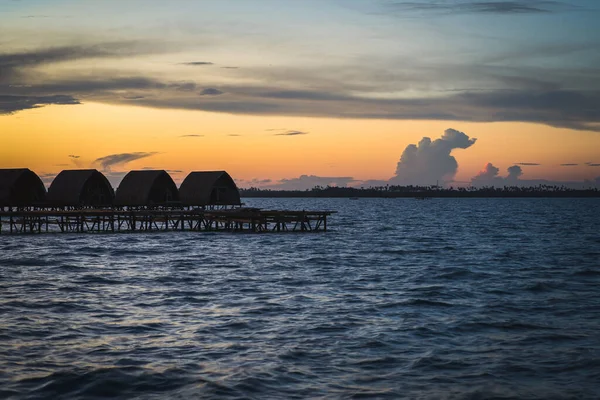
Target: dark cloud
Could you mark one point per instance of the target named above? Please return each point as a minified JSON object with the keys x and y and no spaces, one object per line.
{"x":183,"y":86}
{"x":591,"y":164}
{"x":69,"y":53}
{"x":10,"y":104}
{"x":486,"y":7}
{"x":230,"y":67}
{"x":91,"y":86}
{"x":534,"y":100}
{"x":197,"y":63}
{"x":191,"y":136}
{"x":569,"y":165}
{"x":75,"y":159}
{"x":234,"y":134}
{"x":430,"y":162}
{"x":529,"y":51}
{"x":122,"y":158}
{"x":291,"y":133}
{"x":211,"y":92}
{"x":133,"y":97}
{"x":566,"y":109}
{"x":527,"y":163}
{"x":301,"y":95}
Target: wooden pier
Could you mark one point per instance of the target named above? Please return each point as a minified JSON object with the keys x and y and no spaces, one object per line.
{"x":146,"y":220}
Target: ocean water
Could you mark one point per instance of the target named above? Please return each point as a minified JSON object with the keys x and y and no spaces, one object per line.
{"x":402,"y":298}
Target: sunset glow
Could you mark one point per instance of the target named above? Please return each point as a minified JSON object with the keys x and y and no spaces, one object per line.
{"x":330,"y":97}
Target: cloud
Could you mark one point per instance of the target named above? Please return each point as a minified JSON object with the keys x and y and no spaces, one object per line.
{"x":307,"y":182}
{"x":485,"y":7}
{"x":114,"y":177}
{"x":133,"y":97}
{"x":514,"y":172}
{"x":76,"y":160}
{"x":429,"y":162}
{"x":10,"y":104}
{"x":291,"y":133}
{"x":211,"y":92}
{"x":489,"y":177}
{"x":566,"y":109}
{"x":451,"y":90}
{"x":527,"y":163}
{"x":488,"y":172}
{"x":197,"y":63}
{"x":16,"y":60}
{"x":47,"y":178}
{"x":122,"y":158}
{"x":568,"y":165}
{"x":255,"y":182}
{"x":190,"y":136}
{"x":591,"y":164}
{"x":234,"y":134}
{"x":170,"y":171}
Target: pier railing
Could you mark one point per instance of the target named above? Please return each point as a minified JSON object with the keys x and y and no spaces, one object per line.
{"x":132,"y":220}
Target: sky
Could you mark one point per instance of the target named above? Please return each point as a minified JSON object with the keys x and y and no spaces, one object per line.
{"x":293,"y":94}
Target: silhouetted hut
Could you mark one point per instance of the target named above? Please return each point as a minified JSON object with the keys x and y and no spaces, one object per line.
{"x":208,"y":188}
{"x":80,"y":187}
{"x":146,"y":188}
{"x":20,"y":187}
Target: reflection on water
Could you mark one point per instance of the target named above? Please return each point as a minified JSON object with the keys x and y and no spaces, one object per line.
{"x":449,"y":298}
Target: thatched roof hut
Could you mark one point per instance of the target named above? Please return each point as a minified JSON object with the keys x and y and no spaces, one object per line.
{"x":80,"y":187}
{"x":20,"y":187}
{"x":202,"y":188}
{"x":145,"y":188}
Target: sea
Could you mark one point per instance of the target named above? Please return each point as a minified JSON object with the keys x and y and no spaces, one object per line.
{"x":399,"y":299}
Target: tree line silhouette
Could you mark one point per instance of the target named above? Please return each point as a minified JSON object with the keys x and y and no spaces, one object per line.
{"x":393,"y":191}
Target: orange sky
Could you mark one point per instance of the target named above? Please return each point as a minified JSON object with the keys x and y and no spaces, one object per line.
{"x":42,"y":139}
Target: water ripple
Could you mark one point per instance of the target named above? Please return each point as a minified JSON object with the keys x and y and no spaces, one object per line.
{"x":445,"y":299}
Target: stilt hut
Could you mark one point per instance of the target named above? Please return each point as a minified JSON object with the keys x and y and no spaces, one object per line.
{"x":80,"y":187}
{"x":146,"y":188}
{"x":20,"y":187}
{"x":209,"y":188}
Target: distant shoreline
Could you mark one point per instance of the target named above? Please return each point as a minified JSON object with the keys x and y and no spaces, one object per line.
{"x":352,"y":193}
